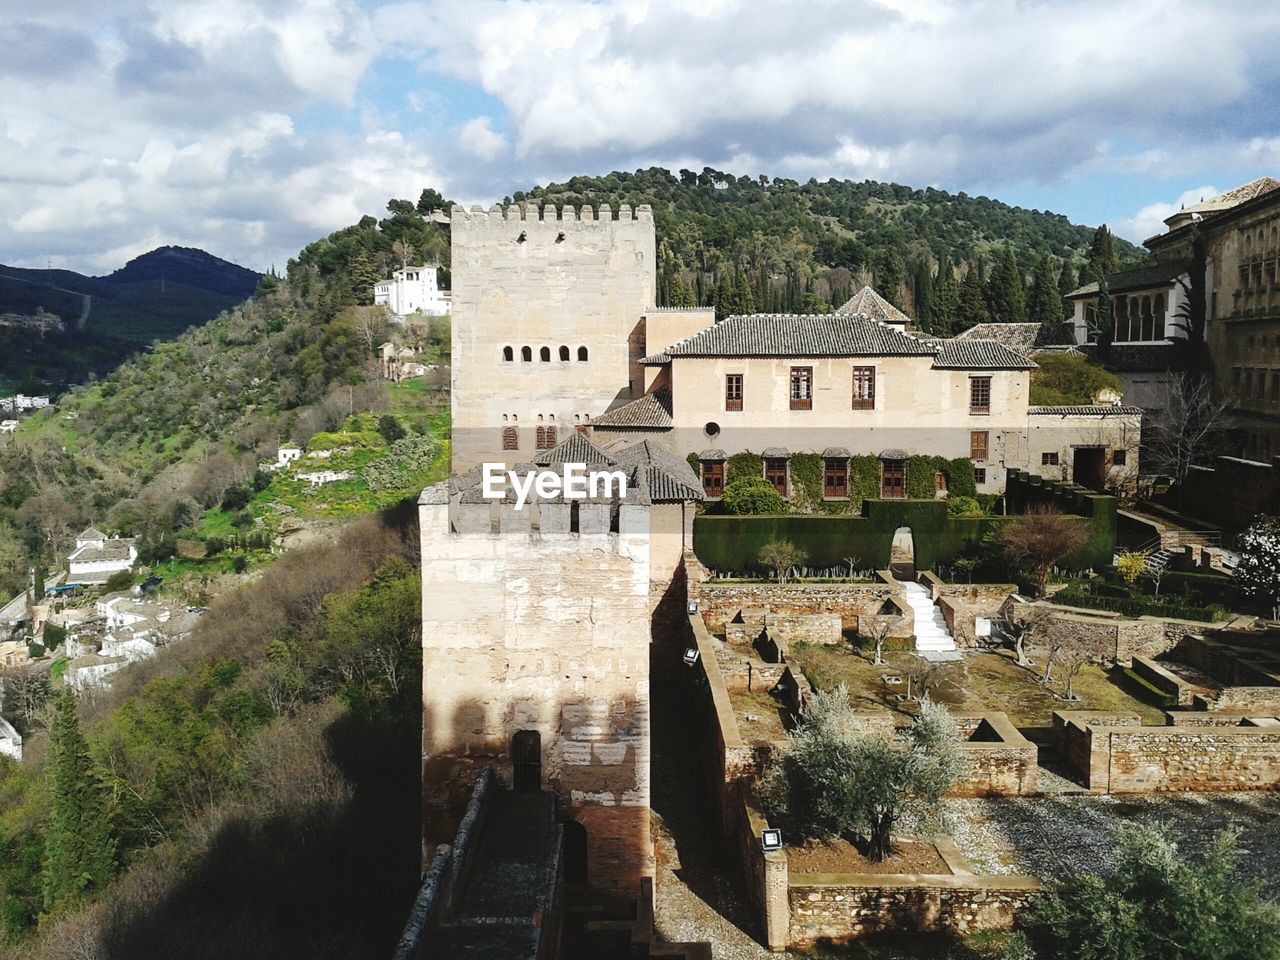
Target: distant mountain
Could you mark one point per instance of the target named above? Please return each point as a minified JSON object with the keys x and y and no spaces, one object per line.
{"x":153,"y":297}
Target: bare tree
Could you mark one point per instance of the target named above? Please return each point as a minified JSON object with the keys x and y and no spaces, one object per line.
{"x":1079,"y":646}
{"x":878,"y":630}
{"x":1023,"y":623}
{"x":403,"y":251}
{"x":1189,"y":429}
{"x":1041,"y":538}
{"x":926,"y":676}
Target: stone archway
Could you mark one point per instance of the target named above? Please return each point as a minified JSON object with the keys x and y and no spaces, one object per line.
{"x":902,"y":554}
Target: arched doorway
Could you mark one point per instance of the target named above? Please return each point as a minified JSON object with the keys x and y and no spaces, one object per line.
{"x":575,"y":853}
{"x":526,"y":760}
{"x":902,"y":554}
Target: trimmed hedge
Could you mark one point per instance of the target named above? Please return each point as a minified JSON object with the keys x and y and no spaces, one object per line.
{"x":1134,"y":607}
{"x":733,"y":543}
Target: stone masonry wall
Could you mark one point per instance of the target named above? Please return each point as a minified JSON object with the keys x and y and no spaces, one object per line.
{"x":846,"y":907}
{"x":1117,"y":755}
{"x":720,"y":602}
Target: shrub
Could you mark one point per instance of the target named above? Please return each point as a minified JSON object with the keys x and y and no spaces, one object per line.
{"x":1157,"y":904}
{"x":751,"y":495}
{"x":390,"y":428}
{"x":1131,"y":564}
{"x":1258,"y":572}
{"x":964,"y":507}
{"x":407,"y":460}
{"x":120,"y":580}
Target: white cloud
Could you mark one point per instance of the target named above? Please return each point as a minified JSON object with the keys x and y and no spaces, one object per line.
{"x":478,"y":139}
{"x":250,"y":127}
{"x":1149,"y":221}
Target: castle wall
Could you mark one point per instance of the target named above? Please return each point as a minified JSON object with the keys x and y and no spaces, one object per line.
{"x":527,"y":631}
{"x":582,"y":279}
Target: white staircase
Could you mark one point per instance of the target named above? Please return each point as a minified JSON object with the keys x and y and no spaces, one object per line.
{"x":932,"y":635}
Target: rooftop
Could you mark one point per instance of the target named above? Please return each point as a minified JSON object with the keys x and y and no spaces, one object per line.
{"x":1224,"y":201}
{"x":1139,"y":278}
{"x":653,"y":410}
{"x":797,"y":335}
{"x":1086,"y":410}
{"x":869,"y":304}
{"x":979,"y":355}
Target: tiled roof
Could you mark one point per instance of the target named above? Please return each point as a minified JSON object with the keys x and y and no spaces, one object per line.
{"x":652,"y":410}
{"x":867,"y":303}
{"x":835,"y":453}
{"x":713,"y":454}
{"x":1138,"y":357}
{"x":91,"y":533}
{"x":1239,"y":195}
{"x":798,"y":335}
{"x":1019,"y":337}
{"x":775,"y":453}
{"x":894,"y":453}
{"x":979,"y":355}
{"x":1140,"y":278}
{"x":576,"y":449}
{"x":668,"y":477}
{"x":655,"y":360}
{"x":1090,"y":410}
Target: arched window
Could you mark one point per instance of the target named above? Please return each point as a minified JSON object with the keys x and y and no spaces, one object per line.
{"x":508,"y":354}
{"x":564,"y":353}
{"x":510,"y":438}
{"x":551,"y":436}
{"x":526,"y":354}
{"x":1158,"y":333}
{"x":540,"y":441}
{"x":545,"y":354}
{"x":1135,"y":319}
{"x":582,"y":353}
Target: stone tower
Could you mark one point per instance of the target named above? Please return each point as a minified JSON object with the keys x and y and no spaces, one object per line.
{"x":536,"y":662}
{"x":547,"y":322}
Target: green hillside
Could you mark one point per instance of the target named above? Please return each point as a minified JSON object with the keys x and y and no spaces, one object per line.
{"x":154,"y":297}
{"x":775,"y":245}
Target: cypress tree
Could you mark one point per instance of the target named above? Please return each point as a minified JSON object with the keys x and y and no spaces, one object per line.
{"x":681,"y":294}
{"x":744,"y":300}
{"x":971,"y":305}
{"x":946,"y":298}
{"x":1067,"y":282}
{"x":890,"y":275}
{"x":1045,"y":306}
{"x":1006,"y":296}
{"x":79,"y":852}
{"x":1102,"y":252}
{"x":923,"y":292}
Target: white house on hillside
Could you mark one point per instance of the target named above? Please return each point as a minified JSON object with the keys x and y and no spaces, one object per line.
{"x":413,"y":290}
{"x":96,"y":557}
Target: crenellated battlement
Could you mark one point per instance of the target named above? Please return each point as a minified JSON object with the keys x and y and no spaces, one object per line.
{"x":549,"y":214}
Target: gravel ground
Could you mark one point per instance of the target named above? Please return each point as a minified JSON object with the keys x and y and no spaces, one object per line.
{"x":1056,"y":837}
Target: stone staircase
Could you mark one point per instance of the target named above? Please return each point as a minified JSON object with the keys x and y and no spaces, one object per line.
{"x":932,"y":635}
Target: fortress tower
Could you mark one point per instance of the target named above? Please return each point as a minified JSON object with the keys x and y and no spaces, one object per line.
{"x":535,"y":638}
{"x":547,"y":323}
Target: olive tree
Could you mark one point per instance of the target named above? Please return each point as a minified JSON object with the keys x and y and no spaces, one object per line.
{"x":781,"y":556}
{"x":835,"y":780}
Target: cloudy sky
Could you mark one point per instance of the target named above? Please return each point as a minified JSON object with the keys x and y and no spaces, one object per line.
{"x":249,"y":127}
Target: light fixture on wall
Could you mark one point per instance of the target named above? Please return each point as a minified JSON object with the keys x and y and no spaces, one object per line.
{"x":691,"y":655}
{"x":770,"y":840}
{"x":693,"y":606}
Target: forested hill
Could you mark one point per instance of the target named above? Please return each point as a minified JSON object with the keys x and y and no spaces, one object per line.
{"x":778,"y":245}
{"x":102,"y":320}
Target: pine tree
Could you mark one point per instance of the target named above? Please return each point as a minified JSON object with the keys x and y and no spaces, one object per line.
{"x":1006,"y":296}
{"x":1102,"y":252}
{"x":1045,"y":304}
{"x":971,"y":305}
{"x":79,"y":852}
{"x":946,"y":298}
